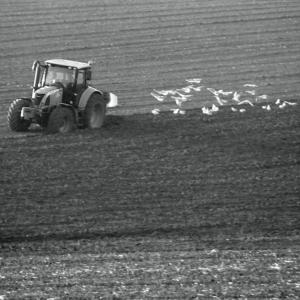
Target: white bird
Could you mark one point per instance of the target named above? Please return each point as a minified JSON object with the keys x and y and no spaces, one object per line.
{"x":233,"y":109}
{"x":246,"y":102}
{"x":213,"y":91}
{"x":267,"y":107}
{"x":251,"y":92}
{"x":290,"y":103}
{"x":242,"y":110}
{"x":275,"y":266}
{"x":236,"y":97}
{"x":214,"y":108}
{"x":220,"y":101}
{"x":165,"y":92}
{"x":194,"y":80}
{"x":262,"y":97}
{"x":282,"y":105}
{"x":206,"y":111}
{"x":184,"y":97}
{"x":181,"y":99}
{"x":182,"y":112}
{"x":197,"y":89}
{"x":213,"y":251}
{"x":186,"y":89}
{"x":190,"y":88}
{"x":250,"y":85}
{"x":158,"y":97}
{"x":216,"y":94}
{"x":178,"y":101}
{"x":175,"y":111}
{"x":155,"y":111}
{"x":277,"y":102}
{"x":224,"y":93}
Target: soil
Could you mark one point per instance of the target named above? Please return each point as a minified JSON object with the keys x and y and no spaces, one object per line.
{"x":163,"y":206}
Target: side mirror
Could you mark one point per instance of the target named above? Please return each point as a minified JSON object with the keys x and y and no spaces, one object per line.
{"x":88,"y":75}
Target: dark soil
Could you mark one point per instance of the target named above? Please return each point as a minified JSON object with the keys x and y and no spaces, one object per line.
{"x":169,"y":206}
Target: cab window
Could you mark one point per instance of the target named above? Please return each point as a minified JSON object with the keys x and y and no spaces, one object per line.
{"x":80,"y":80}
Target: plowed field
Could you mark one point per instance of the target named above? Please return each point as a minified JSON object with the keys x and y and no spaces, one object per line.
{"x":154,"y":206}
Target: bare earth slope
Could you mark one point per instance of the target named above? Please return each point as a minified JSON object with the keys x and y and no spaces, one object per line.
{"x":154,"y":206}
{"x":170,"y":206}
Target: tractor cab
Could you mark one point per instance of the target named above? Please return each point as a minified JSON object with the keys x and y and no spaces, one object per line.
{"x":69,"y":76}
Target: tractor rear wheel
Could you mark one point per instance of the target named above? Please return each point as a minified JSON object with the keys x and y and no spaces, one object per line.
{"x":15,"y":121}
{"x":61,"y":120}
{"x":94,"y":113}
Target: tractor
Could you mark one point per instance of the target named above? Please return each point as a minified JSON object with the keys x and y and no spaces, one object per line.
{"x":61,"y":99}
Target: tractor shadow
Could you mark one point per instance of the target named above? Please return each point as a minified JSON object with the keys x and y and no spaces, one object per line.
{"x":112,"y":122}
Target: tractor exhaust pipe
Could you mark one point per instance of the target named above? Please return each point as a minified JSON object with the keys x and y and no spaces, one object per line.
{"x":37,"y":67}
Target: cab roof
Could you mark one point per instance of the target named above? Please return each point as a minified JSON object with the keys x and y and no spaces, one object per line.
{"x":68,"y":63}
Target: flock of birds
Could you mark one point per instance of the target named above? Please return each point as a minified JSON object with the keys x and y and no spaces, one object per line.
{"x":246,"y":97}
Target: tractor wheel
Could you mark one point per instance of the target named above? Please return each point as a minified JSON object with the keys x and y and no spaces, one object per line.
{"x":94,"y":113}
{"x":15,"y":122}
{"x":61,"y":120}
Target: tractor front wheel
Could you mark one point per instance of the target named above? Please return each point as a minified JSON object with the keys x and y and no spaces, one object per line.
{"x":15,"y":121}
{"x":94,"y":113}
{"x":61,"y":120}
